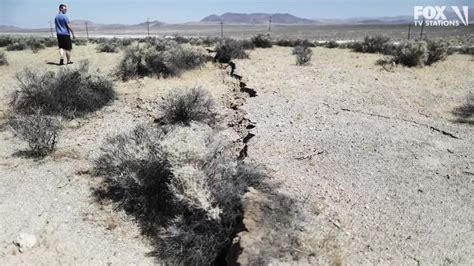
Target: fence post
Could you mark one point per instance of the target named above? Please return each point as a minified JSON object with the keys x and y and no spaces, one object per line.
{"x":409,"y":31}
{"x":148,"y":26}
{"x":422,"y":28}
{"x":270,"y":25}
{"x":222,"y":29}
{"x":51,"y":27}
{"x":87,"y":31}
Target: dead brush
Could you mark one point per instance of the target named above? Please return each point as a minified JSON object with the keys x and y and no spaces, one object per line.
{"x":38,"y":130}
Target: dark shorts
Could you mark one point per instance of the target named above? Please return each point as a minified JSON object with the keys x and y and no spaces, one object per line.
{"x":64,"y":42}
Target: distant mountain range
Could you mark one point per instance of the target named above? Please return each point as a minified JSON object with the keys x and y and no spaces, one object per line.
{"x":242,"y":18}
{"x":257,"y":18}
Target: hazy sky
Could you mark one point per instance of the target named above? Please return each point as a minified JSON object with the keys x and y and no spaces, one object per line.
{"x":37,"y":13}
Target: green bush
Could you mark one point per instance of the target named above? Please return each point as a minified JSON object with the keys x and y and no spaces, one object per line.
{"x":332,"y":44}
{"x":16,"y":46}
{"x":108,"y":47}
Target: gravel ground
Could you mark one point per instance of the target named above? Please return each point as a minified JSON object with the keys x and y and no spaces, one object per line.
{"x":362,"y":147}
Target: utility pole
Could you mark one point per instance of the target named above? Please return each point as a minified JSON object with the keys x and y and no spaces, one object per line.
{"x":222,"y":29}
{"x":87,"y":31}
{"x":51,"y":27}
{"x":409,"y":31}
{"x":148,"y":26}
{"x":270,"y":25}
{"x":422,"y":28}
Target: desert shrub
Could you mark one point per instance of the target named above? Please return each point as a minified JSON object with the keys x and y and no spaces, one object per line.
{"x":467,"y":50}
{"x":70,"y":92}
{"x":412,"y":53}
{"x":204,"y":41}
{"x":181,"y":39}
{"x":80,"y":41}
{"x":465,"y":112}
{"x":303,"y":55}
{"x":35,"y":44}
{"x":162,"y":59}
{"x":3,"y":59}
{"x":53,"y":42}
{"x":17,"y":46}
{"x":125,"y":42}
{"x":437,"y":51}
{"x":6,"y":40}
{"x":39,"y":131}
{"x":332,"y":44}
{"x":182,"y":184}
{"x":262,"y":41}
{"x":108,"y":47}
{"x":247,"y":44}
{"x":229,"y":49}
{"x":376,"y":44}
{"x":293,"y":43}
{"x":185,"y":106}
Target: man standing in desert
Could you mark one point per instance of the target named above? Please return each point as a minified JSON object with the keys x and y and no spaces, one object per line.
{"x":64,"y":31}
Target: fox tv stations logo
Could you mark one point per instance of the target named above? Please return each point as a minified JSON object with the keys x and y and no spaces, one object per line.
{"x":438,"y":15}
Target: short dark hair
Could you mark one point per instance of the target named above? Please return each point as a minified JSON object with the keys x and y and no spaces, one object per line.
{"x":61,"y":6}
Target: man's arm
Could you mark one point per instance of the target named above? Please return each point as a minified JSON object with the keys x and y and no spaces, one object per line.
{"x":70,"y":29}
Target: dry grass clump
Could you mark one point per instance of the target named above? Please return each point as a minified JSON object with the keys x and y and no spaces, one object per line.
{"x":187,"y":105}
{"x":71,"y":92}
{"x":229,"y":49}
{"x":3,"y":59}
{"x":262,"y":41}
{"x":159,"y":59}
{"x":183,"y":184}
{"x":38,"y":130}
{"x":303,"y":54}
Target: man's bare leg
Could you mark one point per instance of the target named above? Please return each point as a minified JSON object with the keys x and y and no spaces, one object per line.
{"x":61,"y":55}
{"x":68,"y":56}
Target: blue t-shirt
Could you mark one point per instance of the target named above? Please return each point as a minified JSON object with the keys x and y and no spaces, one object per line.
{"x":61,"y":22}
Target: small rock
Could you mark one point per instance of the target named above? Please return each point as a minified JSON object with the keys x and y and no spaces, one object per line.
{"x":25,"y":241}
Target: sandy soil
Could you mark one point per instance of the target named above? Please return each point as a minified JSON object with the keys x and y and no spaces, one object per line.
{"x":351,"y":140}
{"x":355,"y":142}
{"x":52,"y":199}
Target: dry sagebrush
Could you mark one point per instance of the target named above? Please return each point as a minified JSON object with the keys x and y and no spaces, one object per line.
{"x":229,"y":49}
{"x":70,"y":92}
{"x":182,"y":183}
{"x":186,"y":105}
{"x":3,"y":59}
{"x":303,"y":54}
{"x":39,"y":131}
{"x":159,"y":58}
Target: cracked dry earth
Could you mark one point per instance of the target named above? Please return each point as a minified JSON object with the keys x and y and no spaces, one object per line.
{"x":376,"y":154}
